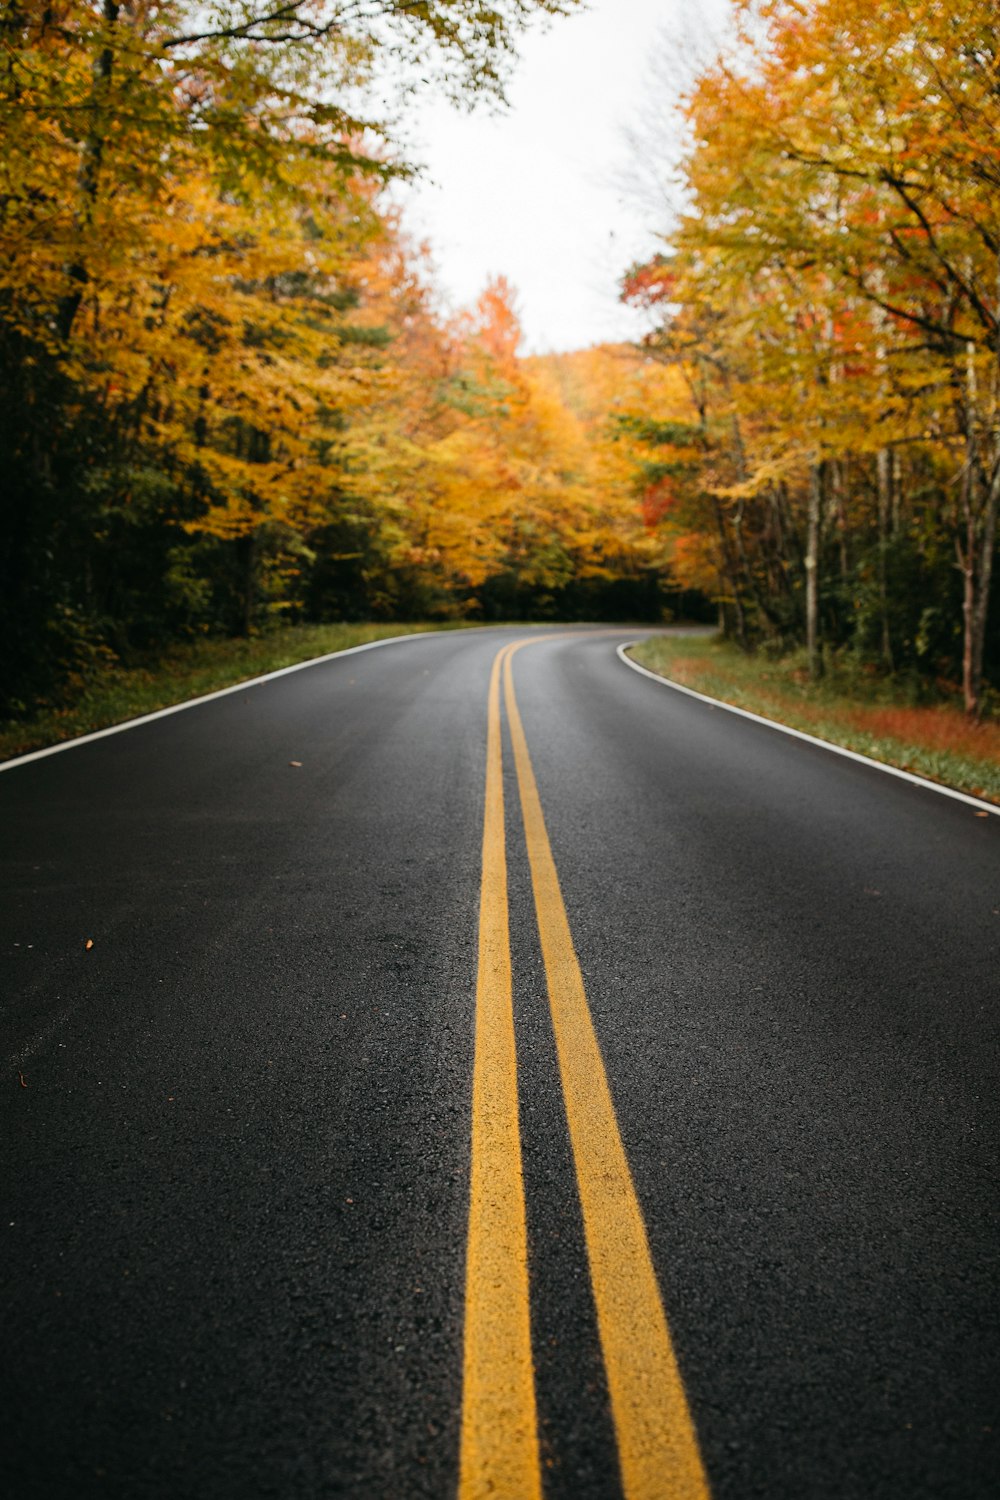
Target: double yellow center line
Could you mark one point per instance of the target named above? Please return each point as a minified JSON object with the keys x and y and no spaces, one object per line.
{"x":657,"y":1446}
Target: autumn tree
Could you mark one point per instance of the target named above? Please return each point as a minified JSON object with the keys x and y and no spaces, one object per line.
{"x":185,"y":196}
{"x":835,"y":282}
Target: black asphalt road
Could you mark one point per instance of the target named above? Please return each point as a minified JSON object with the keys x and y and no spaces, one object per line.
{"x":235,"y":1186}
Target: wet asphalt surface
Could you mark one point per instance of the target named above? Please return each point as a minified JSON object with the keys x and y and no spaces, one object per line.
{"x":235,"y":1179}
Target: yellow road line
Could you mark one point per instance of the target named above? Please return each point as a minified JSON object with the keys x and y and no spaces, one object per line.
{"x":499,"y":1446}
{"x":657,"y":1446}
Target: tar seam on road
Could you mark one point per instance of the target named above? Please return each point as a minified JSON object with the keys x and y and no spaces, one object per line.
{"x":657,"y":1445}
{"x":810,"y":739}
{"x":499,"y":1446}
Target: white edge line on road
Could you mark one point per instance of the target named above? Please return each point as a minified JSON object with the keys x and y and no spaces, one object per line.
{"x":810,"y":739}
{"x":237,"y":687}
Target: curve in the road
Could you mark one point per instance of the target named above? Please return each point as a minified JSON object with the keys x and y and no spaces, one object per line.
{"x":808,"y":739}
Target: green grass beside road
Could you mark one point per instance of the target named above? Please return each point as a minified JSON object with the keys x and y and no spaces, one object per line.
{"x":863,"y":712}
{"x":117,"y":692}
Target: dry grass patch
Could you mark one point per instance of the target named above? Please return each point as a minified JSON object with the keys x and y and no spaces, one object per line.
{"x":940,"y":728}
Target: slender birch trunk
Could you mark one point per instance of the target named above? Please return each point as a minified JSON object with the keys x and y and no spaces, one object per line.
{"x":980,"y":504}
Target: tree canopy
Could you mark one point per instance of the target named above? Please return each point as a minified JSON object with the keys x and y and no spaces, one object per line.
{"x":231,"y":396}
{"x":831,"y":293}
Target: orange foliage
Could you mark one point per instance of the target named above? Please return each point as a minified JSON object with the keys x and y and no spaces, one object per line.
{"x":945,"y":729}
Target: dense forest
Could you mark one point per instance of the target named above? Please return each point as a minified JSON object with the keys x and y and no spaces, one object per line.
{"x":832,"y":297}
{"x":231,"y":397}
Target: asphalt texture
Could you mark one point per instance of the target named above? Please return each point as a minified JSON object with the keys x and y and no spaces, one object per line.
{"x":236,"y":1128}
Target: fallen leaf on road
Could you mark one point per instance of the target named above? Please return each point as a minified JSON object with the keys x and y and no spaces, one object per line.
{"x":982,"y":815}
{"x":89,"y":944}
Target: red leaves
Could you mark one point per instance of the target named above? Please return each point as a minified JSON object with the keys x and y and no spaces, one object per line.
{"x":657,"y":501}
{"x":649,"y":285}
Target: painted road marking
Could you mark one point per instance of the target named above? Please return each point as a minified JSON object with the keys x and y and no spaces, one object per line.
{"x":226,"y":692}
{"x":657,"y":1446}
{"x":499,"y":1447}
{"x":810,"y":739}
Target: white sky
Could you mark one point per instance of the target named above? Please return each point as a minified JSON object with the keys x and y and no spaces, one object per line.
{"x":537,"y":193}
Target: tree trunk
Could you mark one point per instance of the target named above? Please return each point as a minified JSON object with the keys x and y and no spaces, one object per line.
{"x":884,"y":476}
{"x":982,"y":604}
{"x":730,"y":569}
{"x":814,"y":515}
{"x":979,"y":518}
{"x":976,"y":580}
{"x":89,"y":172}
{"x":742,"y":473}
{"x":729,"y":566}
{"x":249,"y":582}
{"x":838,"y":487}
